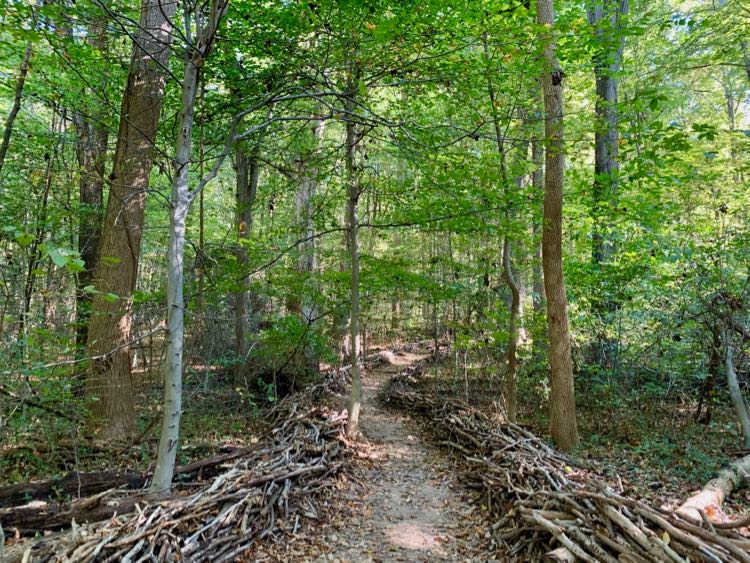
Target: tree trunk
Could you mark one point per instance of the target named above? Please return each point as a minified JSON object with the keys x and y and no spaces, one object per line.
{"x":735,"y":393}
{"x":40,"y":222}
{"x":538,"y":299}
{"x":182,"y":200}
{"x":91,"y":151}
{"x":355,"y":400}
{"x":307,"y":259}
{"x":20,"y":82}
{"x":511,"y":375}
{"x":606,"y":17}
{"x":562,"y":401}
{"x":109,"y":386}
{"x":247,"y":171}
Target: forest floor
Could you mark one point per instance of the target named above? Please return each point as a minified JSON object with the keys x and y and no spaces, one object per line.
{"x":402,"y":501}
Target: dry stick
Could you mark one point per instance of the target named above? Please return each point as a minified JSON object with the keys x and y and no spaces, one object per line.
{"x":561,"y":537}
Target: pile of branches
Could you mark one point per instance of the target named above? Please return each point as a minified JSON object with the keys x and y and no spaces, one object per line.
{"x":262,"y":495}
{"x":544,"y":508}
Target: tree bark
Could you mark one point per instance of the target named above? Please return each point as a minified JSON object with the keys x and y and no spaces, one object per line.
{"x":181,"y":201}
{"x":109,"y":386}
{"x":247,"y":170}
{"x":735,"y":393}
{"x":307,"y":259}
{"x":91,"y":151}
{"x":16,"y":107}
{"x":352,"y":223}
{"x":562,"y":401}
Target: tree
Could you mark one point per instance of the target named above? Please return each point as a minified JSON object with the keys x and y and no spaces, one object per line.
{"x":352,"y":231}
{"x":247,"y":173}
{"x":606,"y":16}
{"x":198,"y":50}
{"x":109,"y":385}
{"x":307,"y":261}
{"x":91,"y":152}
{"x":563,"y":423}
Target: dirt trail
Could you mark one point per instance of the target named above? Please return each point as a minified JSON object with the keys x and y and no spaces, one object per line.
{"x":409,"y":506}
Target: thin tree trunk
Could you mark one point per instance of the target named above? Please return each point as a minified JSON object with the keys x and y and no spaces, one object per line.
{"x":307,"y":259}
{"x":18,"y":94}
{"x":35,"y":249}
{"x":247,"y":170}
{"x":182,"y":200}
{"x":109,"y":386}
{"x":562,"y":401}
{"x":538,"y":299}
{"x":735,"y":393}
{"x":606,"y":17}
{"x":355,"y":400}
{"x":511,"y":375}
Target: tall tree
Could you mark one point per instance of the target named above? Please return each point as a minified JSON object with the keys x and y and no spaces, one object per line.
{"x":563,"y":423}
{"x":109,"y":385}
{"x":307,"y":259}
{"x":352,"y":226}
{"x":606,"y":16}
{"x":511,"y":373}
{"x":247,"y":174}
{"x":91,"y":152}
{"x":198,"y":50}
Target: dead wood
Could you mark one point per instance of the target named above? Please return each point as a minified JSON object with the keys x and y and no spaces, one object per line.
{"x":74,"y":483}
{"x":707,"y":502}
{"x":261,"y":493}
{"x":546,"y":507}
{"x":78,"y":484}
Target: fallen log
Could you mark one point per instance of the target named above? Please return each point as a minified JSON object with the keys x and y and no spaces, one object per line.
{"x":707,"y":502}
{"x":544,"y":507}
{"x":74,"y":483}
{"x":79,"y":484}
{"x":42,"y":516}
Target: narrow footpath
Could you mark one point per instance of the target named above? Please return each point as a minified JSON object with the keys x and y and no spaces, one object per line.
{"x":404,"y":502}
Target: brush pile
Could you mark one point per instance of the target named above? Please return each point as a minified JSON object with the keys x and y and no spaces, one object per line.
{"x":544,"y":508}
{"x":263,"y":494}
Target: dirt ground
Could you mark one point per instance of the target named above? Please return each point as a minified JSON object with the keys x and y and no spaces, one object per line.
{"x":404,"y":501}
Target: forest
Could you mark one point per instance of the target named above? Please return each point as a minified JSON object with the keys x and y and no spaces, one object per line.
{"x":375,"y":280}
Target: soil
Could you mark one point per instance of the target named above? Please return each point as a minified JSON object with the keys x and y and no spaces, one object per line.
{"x":403,"y":502}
